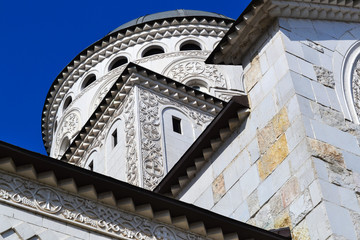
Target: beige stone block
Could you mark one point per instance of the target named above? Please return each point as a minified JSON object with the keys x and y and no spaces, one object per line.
{"x":253,"y":75}
{"x":275,"y":205}
{"x":326,"y":152}
{"x":289,"y":191}
{"x":301,"y":232}
{"x":280,"y":122}
{"x":283,"y":220}
{"x":265,"y":137}
{"x":218,"y":188}
{"x":273,"y":157}
{"x":277,"y":126}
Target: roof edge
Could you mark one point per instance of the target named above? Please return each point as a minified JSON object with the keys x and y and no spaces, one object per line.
{"x":259,"y":15}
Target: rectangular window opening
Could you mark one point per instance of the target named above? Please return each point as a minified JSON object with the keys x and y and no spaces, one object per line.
{"x":176,"y":124}
{"x":114,"y":138}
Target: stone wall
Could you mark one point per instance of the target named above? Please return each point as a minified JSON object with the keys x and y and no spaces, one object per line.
{"x":295,"y":162}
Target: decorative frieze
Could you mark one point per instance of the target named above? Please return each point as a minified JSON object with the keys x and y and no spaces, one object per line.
{"x":152,"y":156}
{"x":132,"y":169}
{"x":87,"y":213}
{"x":188,"y":69}
{"x":193,"y":53}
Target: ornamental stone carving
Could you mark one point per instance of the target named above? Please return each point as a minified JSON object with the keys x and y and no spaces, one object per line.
{"x":152,"y":156}
{"x":194,"y":53}
{"x":69,"y":126}
{"x":132,"y":169}
{"x":99,"y":97}
{"x":355,"y":85}
{"x":150,"y":133}
{"x":62,"y":206}
{"x":185,"y":70}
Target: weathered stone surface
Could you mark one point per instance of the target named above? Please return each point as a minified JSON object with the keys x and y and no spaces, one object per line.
{"x":218,"y":188}
{"x":335,"y":119}
{"x":356,"y":220}
{"x":324,"y":76}
{"x":253,"y":75}
{"x":264,"y":218}
{"x":336,"y":237}
{"x":339,"y":175}
{"x":283,"y":220}
{"x":251,"y":221}
{"x":265,"y":137}
{"x":301,"y":231}
{"x":273,"y":157}
{"x":253,"y":203}
{"x":275,"y":205}
{"x":326,"y":152}
{"x":289,"y":191}
{"x":300,"y":207}
{"x":281,"y":122}
{"x":268,"y":135}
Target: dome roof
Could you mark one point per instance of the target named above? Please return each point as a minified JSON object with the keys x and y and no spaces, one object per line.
{"x":168,"y":14}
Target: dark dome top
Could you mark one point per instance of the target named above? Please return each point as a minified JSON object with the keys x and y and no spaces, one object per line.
{"x":169,"y":14}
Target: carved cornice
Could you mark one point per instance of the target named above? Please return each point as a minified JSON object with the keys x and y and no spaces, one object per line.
{"x":87,"y":213}
{"x":120,"y":41}
{"x":43,"y":185}
{"x":136,"y":75}
{"x":260,"y":14}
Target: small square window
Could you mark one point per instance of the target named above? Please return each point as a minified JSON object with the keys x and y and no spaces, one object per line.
{"x":114,"y":138}
{"x":176,"y":124}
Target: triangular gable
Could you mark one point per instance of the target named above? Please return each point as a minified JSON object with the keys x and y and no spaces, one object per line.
{"x":131,"y":76}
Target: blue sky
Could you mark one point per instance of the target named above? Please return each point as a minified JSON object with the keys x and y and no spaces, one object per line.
{"x":39,"y":38}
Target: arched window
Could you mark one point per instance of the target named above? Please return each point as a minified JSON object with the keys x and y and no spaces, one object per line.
{"x":87,"y":81}
{"x":198,"y":85}
{"x":64,"y":146}
{"x":55,"y":126}
{"x":67,"y":103}
{"x":152,"y":50}
{"x":190,"y":45}
{"x":118,"y":62}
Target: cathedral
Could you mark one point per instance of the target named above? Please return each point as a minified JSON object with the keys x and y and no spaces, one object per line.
{"x":191,"y":125}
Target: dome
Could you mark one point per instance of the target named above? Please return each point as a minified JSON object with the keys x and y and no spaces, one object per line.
{"x":192,"y":36}
{"x":168,"y":14}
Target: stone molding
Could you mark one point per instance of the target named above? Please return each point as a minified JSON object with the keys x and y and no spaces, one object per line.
{"x":251,"y":23}
{"x":346,"y":84}
{"x":119,"y":41}
{"x":83,"y":212}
